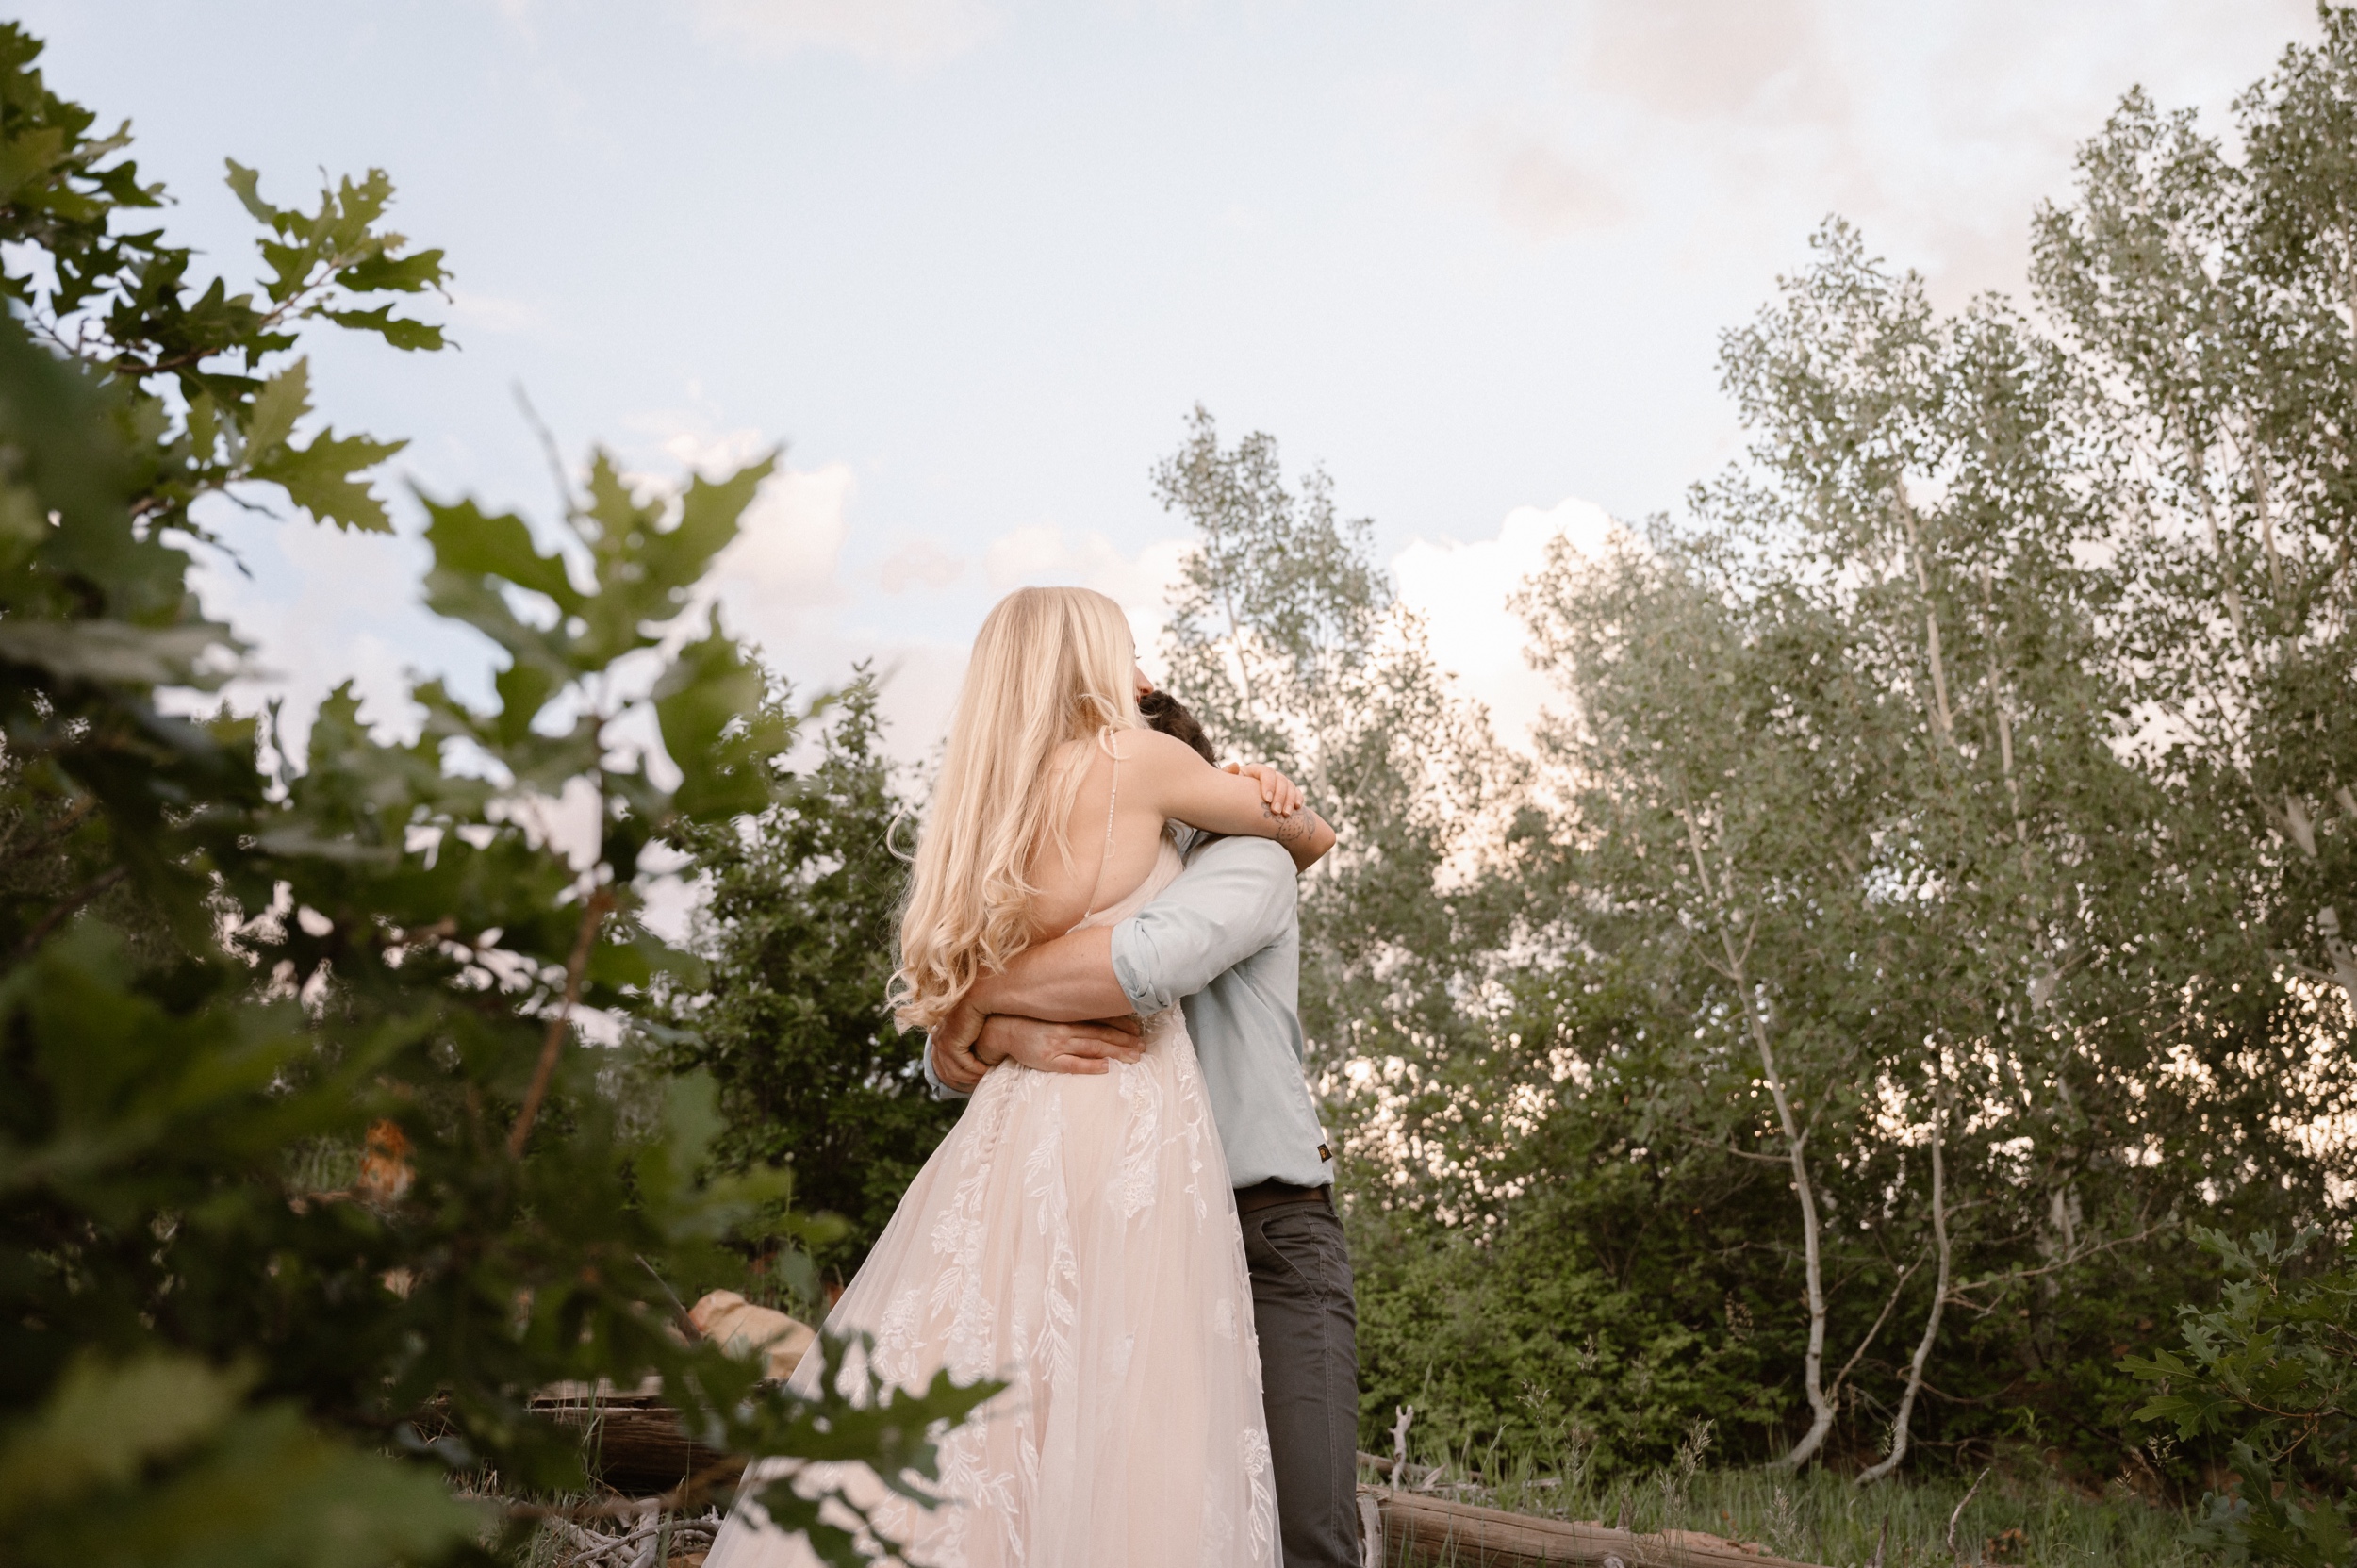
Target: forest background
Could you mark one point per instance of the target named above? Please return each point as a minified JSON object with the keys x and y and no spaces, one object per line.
{"x":1913,"y":969}
{"x":1926,"y":914}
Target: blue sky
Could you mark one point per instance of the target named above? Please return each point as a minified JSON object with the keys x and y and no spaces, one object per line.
{"x":973,"y":261}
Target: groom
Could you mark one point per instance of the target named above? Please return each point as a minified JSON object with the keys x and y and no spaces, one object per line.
{"x":1224,"y":940}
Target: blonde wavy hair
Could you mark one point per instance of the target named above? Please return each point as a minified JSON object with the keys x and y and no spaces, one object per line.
{"x":1050,"y":666}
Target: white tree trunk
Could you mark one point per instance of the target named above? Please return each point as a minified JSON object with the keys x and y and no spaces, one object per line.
{"x":1899,"y":1426}
{"x":1943,"y":716}
{"x":1813,"y":1364}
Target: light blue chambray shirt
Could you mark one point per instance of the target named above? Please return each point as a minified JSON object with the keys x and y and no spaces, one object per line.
{"x":1224,"y":941}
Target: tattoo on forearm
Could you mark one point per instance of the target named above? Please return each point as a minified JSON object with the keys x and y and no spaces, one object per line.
{"x":1300,"y":828}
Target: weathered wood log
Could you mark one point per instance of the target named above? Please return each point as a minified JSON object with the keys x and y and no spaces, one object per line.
{"x":1418,"y":1531}
{"x":637,"y":1447}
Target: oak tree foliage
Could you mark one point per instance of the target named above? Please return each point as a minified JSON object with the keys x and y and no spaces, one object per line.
{"x":307,"y":1186}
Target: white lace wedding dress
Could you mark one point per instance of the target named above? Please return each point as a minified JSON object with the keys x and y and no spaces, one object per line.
{"x":1076,"y":1235}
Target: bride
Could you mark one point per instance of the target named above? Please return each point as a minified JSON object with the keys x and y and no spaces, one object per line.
{"x":1075,"y":1235}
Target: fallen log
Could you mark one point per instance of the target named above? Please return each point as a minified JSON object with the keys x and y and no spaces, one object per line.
{"x":1411,"y":1531}
{"x":636,"y":1447}
{"x":634,"y":1442}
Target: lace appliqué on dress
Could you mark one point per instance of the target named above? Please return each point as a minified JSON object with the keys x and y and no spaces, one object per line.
{"x":1043,"y":1244}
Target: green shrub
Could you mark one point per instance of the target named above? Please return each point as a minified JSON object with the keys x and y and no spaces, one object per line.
{"x":225,"y":983}
{"x":788,"y":1017}
{"x":2272,"y":1369}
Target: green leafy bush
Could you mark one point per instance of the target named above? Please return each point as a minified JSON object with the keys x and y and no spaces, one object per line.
{"x":305,"y":1185}
{"x":2272,"y":1369}
{"x":788,"y":1017}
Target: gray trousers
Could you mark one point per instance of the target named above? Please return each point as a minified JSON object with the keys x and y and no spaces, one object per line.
{"x":1308,"y":1324}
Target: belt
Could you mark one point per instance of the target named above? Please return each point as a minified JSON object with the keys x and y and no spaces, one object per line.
{"x":1268,"y":1195}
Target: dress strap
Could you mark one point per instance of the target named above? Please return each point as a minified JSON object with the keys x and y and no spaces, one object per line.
{"x":1113,"y":794}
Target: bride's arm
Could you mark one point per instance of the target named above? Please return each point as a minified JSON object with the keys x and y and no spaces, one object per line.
{"x":1277,"y":790}
{"x":1173,"y":782}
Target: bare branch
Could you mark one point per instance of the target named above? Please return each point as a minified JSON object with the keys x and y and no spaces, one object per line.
{"x":65,"y":907}
{"x":592,"y":916}
{"x":1833,"y":1391}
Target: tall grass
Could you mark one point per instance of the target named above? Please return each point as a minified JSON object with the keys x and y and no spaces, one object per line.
{"x":2022,"y":1515}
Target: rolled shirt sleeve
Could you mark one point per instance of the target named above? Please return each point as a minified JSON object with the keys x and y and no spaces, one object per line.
{"x":1236,"y":896}
{"x":1221,"y":941}
{"x":933,"y":1079}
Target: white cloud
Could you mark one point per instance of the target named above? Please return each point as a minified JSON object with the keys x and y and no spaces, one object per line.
{"x":693,"y":438}
{"x":817,"y":631}
{"x":1697,"y":59}
{"x":1520,"y":171}
{"x":903,"y":33}
{"x":1461,"y":590}
{"x":494,"y":314}
{"x":1459,"y":587}
{"x":1937,"y":128}
{"x":1141,"y":584}
{"x":323,"y":606}
{"x":918,"y":563}
{"x":1038,"y":555}
{"x":1543,"y":194}
{"x":787,"y":558}
{"x":919,"y":681}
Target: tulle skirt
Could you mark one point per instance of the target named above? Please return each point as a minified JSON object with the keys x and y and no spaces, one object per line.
{"x":1076,"y":1235}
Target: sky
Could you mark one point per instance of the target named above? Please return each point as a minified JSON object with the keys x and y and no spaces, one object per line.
{"x":972,"y":262}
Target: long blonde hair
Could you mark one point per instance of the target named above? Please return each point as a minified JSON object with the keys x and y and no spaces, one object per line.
{"x":1050,"y":666}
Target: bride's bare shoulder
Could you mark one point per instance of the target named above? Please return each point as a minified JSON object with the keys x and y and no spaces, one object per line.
{"x":1157,"y":754}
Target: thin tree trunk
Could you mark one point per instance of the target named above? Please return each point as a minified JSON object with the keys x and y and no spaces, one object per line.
{"x":1943,"y":716}
{"x":1813,"y":1365}
{"x":1813,"y":1268}
{"x":1945,"y":723}
{"x":2232,"y":593}
{"x":2258,"y":462}
{"x":2004,"y":730}
{"x":1235,"y":631}
{"x":2297,"y":819}
{"x":1834,"y":1393}
{"x":2336,"y":948}
{"x":593,"y":915}
{"x":1939,"y":1290}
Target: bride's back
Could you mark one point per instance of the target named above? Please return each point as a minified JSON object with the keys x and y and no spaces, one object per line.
{"x":1100,"y":852}
{"x":1004,"y":854}
{"x":1052,"y":797}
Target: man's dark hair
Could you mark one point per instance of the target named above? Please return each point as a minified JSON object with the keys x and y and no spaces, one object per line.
{"x":1165,"y":713}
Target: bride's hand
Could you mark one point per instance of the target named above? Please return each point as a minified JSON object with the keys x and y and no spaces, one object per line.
{"x":1281,"y":794}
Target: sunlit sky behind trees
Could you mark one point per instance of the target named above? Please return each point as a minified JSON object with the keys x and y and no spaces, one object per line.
{"x":974,"y":260}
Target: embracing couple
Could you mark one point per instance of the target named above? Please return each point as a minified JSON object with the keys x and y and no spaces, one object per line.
{"x":1133,"y":1223}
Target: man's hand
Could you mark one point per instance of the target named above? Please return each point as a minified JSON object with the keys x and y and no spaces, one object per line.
{"x":1054,"y":1047}
{"x":952,"y":1047}
{"x":956,"y":1067}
